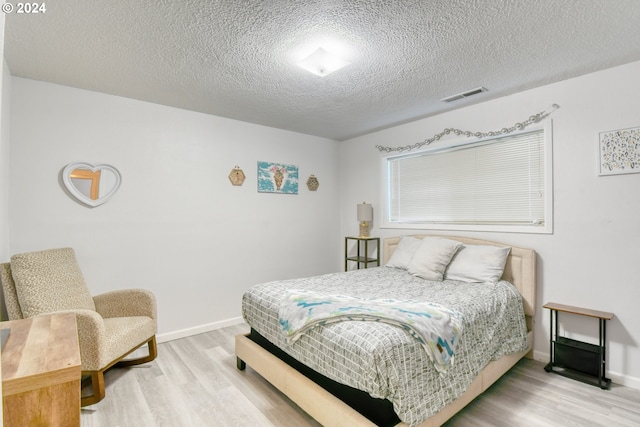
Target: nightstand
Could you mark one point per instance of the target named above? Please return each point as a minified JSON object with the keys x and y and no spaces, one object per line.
{"x":576,"y":359}
{"x":362,"y":258}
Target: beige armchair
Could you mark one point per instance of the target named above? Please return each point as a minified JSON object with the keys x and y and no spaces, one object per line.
{"x":110,"y":325}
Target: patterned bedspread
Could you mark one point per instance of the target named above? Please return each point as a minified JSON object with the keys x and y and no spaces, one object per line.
{"x":383,"y":359}
{"x":435,"y":327}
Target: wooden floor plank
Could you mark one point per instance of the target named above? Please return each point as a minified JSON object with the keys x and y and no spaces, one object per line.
{"x":194,"y":382}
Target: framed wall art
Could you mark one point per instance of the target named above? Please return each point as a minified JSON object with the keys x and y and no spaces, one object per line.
{"x":91,"y":184}
{"x":619,"y":151}
{"x":237,"y":176}
{"x":277,"y":178}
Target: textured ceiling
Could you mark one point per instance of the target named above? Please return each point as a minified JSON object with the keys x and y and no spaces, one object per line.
{"x":235,"y":58}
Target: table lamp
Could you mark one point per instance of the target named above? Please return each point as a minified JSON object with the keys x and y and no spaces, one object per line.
{"x":365,"y":213}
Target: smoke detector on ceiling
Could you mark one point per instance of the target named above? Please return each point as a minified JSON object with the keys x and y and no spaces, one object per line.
{"x":464,"y":94}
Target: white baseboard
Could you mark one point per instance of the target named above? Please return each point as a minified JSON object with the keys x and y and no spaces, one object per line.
{"x":625,"y":380}
{"x":616,"y":377}
{"x":541,"y":356}
{"x":183,"y":333}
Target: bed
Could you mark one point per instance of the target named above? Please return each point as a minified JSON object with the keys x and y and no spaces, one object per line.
{"x":381,"y":381}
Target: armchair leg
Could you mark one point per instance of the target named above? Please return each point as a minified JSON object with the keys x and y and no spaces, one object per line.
{"x":97,"y":377}
{"x":97,"y":383}
{"x":153,"y":353}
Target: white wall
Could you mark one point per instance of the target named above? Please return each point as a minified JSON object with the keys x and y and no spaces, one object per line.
{"x":5,"y":108}
{"x":5,"y":99}
{"x":593,"y":257}
{"x":4,"y":175}
{"x":176,"y":226}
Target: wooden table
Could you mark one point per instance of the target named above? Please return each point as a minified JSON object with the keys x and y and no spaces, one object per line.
{"x":41,"y":372}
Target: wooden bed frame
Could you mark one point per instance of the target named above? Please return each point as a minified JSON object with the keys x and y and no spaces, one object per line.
{"x":330,"y":411}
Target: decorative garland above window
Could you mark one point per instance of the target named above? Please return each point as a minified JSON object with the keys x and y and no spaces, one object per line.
{"x":504,"y":131}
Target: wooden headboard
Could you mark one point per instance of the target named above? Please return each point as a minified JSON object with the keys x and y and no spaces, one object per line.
{"x":520,"y":268}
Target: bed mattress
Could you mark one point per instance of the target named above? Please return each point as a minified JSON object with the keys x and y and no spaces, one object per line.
{"x":384,"y":360}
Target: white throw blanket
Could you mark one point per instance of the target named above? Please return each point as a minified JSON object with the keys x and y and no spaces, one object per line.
{"x":435,"y":327}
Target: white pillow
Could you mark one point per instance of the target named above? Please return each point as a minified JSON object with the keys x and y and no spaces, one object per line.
{"x":478,"y":263}
{"x":432,"y":257}
{"x":403,"y":253}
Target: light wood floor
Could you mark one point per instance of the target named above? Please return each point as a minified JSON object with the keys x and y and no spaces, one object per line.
{"x":194,"y":382}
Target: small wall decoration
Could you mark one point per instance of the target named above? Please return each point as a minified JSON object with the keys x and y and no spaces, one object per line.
{"x":312,"y":183}
{"x":236,"y":176}
{"x":619,"y":151}
{"x":277,"y":178}
{"x":89,"y":184}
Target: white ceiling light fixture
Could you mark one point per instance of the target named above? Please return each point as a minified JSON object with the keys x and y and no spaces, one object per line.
{"x":322,"y":63}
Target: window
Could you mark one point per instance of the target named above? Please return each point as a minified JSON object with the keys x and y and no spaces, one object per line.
{"x":497,"y":184}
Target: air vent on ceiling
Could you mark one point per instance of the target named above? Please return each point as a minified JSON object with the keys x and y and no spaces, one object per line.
{"x":464,"y":94}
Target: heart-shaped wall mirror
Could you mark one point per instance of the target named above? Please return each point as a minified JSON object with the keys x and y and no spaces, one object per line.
{"x":89,"y":184}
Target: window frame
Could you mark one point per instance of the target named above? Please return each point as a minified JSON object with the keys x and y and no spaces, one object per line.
{"x":546,"y":228}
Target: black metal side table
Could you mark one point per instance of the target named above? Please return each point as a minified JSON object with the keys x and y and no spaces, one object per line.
{"x":362,"y":257}
{"x":577,"y":359}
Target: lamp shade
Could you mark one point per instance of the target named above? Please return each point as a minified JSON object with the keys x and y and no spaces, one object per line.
{"x":365,"y":212}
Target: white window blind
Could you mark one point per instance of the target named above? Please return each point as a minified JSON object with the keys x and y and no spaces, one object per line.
{"x":493,"y":182}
